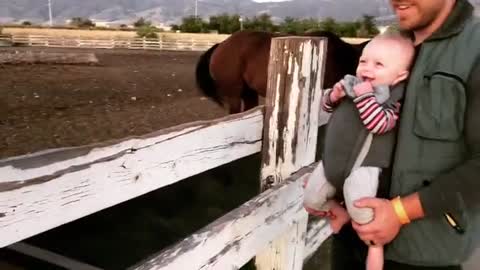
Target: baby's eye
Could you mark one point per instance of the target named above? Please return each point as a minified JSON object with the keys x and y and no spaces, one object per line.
{"x":378,"y":64}
{"x":362,"y":61}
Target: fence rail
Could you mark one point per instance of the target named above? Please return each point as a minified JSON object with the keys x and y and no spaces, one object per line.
{"x":161,"y":43}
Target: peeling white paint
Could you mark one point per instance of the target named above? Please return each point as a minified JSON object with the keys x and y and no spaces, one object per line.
{"x":31,"y":209}
{"x":298,"y":145}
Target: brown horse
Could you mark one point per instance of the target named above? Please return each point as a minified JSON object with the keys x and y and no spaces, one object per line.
{"x":235,"y":71}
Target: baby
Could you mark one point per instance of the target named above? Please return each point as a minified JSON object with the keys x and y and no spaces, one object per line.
{"x":360,"y":134}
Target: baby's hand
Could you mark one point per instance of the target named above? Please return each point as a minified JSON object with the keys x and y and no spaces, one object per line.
{"x":338,"y":92}
{"x":363,"y":88}
{"x":339,"y":216}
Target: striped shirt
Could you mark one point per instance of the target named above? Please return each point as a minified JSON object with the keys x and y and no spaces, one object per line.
{"x":377,"y":118}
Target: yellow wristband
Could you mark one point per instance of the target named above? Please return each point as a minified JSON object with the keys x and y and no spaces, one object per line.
{"x":400,"y":211}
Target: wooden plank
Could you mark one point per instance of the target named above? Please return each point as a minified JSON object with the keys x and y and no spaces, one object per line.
{"x":44,"y":190}
{"x":295,"y":79}
{"x":51,"y":257}
{"x":318,"y":231}
{"x":292,"y":106}
{"x":232,"y":240}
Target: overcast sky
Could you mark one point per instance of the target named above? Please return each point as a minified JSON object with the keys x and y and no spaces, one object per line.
{"x":270,"y":0}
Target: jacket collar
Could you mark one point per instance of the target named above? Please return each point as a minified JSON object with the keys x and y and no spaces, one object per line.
{"x":461,"y":13}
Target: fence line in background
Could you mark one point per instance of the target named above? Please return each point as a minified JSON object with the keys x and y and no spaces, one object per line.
{"x":161,"y":43}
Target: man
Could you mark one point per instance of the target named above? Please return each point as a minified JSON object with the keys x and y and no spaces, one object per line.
{"x":433,"y":211}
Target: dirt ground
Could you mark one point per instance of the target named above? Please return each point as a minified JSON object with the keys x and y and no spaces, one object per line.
{"x":128,"y":93}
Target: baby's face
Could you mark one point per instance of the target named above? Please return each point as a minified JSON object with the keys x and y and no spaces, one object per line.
{"x":382,"y":62}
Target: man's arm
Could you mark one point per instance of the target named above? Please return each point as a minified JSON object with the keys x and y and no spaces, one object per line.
{"x":462,"y":184}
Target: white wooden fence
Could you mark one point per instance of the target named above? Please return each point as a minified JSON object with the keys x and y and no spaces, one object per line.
{"x":44,"y":190}
{"x":189,"y":44}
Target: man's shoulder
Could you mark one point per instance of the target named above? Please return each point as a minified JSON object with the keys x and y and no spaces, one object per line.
{"x":474,"y":23}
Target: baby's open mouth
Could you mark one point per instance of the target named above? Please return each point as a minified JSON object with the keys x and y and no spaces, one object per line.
{"x":366,"y":78}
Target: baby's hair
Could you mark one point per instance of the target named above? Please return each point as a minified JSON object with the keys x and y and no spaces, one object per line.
{"x":403,"y":39}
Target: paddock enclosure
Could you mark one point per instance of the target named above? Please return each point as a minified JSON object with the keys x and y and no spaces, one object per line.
{"x":110,"y":165}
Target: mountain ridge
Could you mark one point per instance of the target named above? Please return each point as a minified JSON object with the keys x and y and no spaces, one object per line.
{"x":172,"y":11}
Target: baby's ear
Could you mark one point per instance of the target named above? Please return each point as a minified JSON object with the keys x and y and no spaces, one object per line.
{"x":401,"y":77}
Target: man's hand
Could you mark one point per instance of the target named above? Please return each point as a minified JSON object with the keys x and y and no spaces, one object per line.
{"x":363,"y":88}
{"x":338,"y":92}
{"x":385,"y":225}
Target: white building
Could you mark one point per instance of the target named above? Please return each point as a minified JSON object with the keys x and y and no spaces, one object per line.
{"x":100,"y":23}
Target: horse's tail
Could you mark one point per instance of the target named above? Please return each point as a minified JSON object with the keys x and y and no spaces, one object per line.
{"x":204,"y":79}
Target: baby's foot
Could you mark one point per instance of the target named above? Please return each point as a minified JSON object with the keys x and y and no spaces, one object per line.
{"x":361,"y":183}
{"x":318,"y":190}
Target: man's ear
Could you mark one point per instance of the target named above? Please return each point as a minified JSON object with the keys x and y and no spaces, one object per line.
{"x":401,"y":76}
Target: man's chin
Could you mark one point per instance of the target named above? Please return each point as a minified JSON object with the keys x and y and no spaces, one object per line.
{"x":410,"y":26}
{"x":406,"y":26}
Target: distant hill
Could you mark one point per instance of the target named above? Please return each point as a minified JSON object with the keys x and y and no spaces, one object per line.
{"x":171,"y":11}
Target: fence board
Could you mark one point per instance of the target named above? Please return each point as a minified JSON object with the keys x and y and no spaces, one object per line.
{"x":235,"y":238}
{"x":45,"y":190}
{"x":295,"y":76}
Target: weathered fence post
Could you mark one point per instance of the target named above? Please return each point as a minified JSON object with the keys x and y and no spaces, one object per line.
{"x":295,"y":78}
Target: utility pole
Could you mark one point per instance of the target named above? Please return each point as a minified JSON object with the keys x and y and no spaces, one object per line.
{"x":50,"y":12}
{"x":196,"y":9}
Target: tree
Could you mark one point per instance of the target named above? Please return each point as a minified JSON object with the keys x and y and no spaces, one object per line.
{"x":175,"y":27}
{"x":289,"y":26}
{"x":147,"y":31}
{"x":192,"y":24}
{"x":26,"y":23}
{"x":141,"y":22}
{"x":329,"y":24}
{"x":224,"y":23}
{"x":367,"y":27}
{"x":348,"y":29}
{"x":261,"y":23}
{"x":309,"y":25}
{"x":81,"y":22}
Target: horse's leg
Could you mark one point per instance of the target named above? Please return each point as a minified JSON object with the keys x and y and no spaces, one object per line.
{"x":234,"y":104}
{"x":231,"y":92}
{"x":250,"y":98}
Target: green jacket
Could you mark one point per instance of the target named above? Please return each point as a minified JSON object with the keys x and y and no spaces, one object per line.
{"x":438,"y":147}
